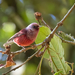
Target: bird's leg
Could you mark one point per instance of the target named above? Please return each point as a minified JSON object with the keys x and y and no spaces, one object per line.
{"x":23,"y":47}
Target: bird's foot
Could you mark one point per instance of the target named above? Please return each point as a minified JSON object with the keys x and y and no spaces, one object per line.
{"x":23,"y":47}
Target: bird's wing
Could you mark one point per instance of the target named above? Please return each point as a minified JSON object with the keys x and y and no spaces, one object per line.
{"x":10,"y":41}
{"x":16,"y":35}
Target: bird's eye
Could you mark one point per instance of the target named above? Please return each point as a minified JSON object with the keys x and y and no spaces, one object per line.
{"x":34,"y":26}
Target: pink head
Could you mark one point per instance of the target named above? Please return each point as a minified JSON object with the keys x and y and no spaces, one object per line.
{"x":33,"y":27}
{"x":32,"y":30}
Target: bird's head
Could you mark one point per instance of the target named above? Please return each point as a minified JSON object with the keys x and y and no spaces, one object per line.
{"x":33,"y":26}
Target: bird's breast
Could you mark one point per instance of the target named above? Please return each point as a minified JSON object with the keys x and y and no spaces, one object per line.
{"x":23,"y":40}
{"x":32,"y":34}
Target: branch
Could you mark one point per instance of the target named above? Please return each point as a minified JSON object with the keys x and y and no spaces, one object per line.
{"x":60,"y":23}
{"x":24,"y":62}
{"x":71,"y":9}
{"x":23,"y":50}
{"x":66,"y":41}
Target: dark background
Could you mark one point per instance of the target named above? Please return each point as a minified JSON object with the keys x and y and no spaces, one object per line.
{"x":17,"y":14}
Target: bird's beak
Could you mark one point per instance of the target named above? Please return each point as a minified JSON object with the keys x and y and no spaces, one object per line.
{"x":39,"y":26}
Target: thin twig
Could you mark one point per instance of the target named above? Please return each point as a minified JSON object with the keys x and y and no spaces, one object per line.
{"x":72,"y":69}
{"x":24,"y":62}
{"x":23,"y":50}
{"x":66,"y":41}
{"x":60,"y":23}
{"x":42,"y":59}
{"x":38,"y":66}
{"x":72,"y":65}
{"x":71,"y":9}
{"x":46,"y":24}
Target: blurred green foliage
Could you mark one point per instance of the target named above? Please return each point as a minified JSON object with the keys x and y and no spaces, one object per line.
{"x":17,"y":14}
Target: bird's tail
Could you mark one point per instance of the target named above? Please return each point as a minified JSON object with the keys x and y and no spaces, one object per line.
{"x":8,"y":43}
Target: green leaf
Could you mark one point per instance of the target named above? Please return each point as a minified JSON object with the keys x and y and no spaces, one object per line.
{"x":43,"y":33}
{"x":55,"y":53}
{"x":57,"y":73}
{"x":66,"y":36}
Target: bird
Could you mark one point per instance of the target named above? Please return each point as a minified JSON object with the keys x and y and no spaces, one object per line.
{"x":24,"y":37}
